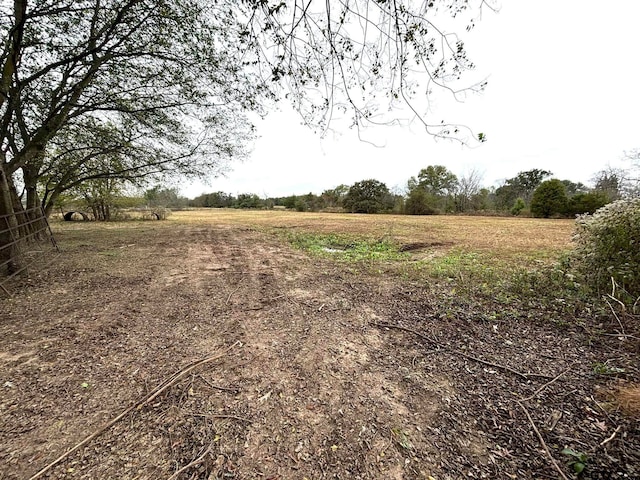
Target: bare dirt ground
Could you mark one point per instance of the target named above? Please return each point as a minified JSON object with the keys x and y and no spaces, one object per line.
{"x":307,"y":382}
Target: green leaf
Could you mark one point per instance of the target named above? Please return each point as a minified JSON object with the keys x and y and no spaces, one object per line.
{"x":578,"y":467}
{"x":570,"y":452}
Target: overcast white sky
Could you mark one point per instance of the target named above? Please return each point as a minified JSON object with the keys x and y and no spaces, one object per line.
{"x":563,"y":95}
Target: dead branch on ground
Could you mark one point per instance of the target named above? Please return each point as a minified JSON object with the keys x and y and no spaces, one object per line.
{"x":191,"y":464}
{"x":538,"y":391}
{"x":136,"y":406}
{"x":613,"y":435}
{"x":526,"y":376}
{"x":542,"y":442}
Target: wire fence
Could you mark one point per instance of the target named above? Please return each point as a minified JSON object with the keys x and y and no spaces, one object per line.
{"x":25,"y":244}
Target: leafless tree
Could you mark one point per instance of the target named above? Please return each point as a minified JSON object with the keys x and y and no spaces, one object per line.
{"x":469,"y":185}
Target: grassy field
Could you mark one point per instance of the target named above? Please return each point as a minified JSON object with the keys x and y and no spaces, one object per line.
{"x":497,"y":257}
{"x":514,"y":240}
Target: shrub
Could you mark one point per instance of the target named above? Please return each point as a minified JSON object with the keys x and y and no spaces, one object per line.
{"x":608,"y":248}
{"x":518,"y":206}
{"x":301,"y":205}
{"x":586,"y":203}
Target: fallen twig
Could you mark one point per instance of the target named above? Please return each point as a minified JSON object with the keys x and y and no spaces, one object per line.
{"x":231,"y":294}
{"x":218,"y":387}
{"x":138,"y":405}
{"x":615,"y":432}
{"x":191,"y":464}
{"x":615,"y":314}
{"x":220,"y":415}
{"x":526,"y":376}
{"x":602,"y":410}
{"x":537,"y":392}
{"x":542,"y":442}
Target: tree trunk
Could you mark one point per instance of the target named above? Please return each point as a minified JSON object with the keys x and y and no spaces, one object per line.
{"x":34,"y":219}
{"x":9,"y":228}
{"x":49,"y":200}
{"x":47,"y":206}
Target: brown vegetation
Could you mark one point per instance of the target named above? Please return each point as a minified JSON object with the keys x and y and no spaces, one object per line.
{"x":628,"y":399}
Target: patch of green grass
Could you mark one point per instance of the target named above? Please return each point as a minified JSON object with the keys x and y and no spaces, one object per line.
{"x":460,"y":265}
{"x":346,"y":247}
{"x":543,"y":283}
{"x":600,"y":368}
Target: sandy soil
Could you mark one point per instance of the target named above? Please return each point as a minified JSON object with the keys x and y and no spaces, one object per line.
{"x":308,"y":382}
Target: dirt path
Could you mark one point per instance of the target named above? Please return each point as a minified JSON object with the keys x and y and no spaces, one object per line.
{"x":314,"y":390}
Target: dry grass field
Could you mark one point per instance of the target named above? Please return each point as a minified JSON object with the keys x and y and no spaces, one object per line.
{"x":225,"y":344}
{"x":511,"y":239}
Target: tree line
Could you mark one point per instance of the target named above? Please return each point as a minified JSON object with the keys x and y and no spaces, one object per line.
{"x":437,"y":190}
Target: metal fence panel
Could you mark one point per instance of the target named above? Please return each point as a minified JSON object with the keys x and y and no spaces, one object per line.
{"x":32,"y":245}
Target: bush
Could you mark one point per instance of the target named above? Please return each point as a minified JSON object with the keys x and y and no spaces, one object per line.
{"x":608,"y":247}
{"x":301,"y":205}
{"x":586,"y":203}
{"x":518,"y":206}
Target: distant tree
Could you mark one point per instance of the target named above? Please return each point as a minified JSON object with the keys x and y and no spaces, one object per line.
{"x":248,"y":200}
{"x":531,"y":179}
{"x":289,"y":202}
{"x":484,"y":200}
{"x":586,"y":202}
{"x":437,"y":180}
{"x":301,"y":205}
{"x":398,"y":199}
{"x":573,"y":188}
{"x":549,"y":199}
{"x":368,"y":196}
{"x":620,"y":183}
{"x":420,"y":202}
{"x":314,"y":202}
{"x":308,"y":202}
{"x":505,"y":196}
{"x":213,"y":200}
{"x":334,"y":197}
{"x":439,"y":185}
{"x":469,"y":185}
{"x":522,"y":185}
{"x":159,"y":196}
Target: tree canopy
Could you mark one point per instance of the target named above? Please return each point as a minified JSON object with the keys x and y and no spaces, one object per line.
{"x":368,"y":196}
{"x":433,"y":191}
{"x":549,"y":199}
{"x":521,"y":186}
